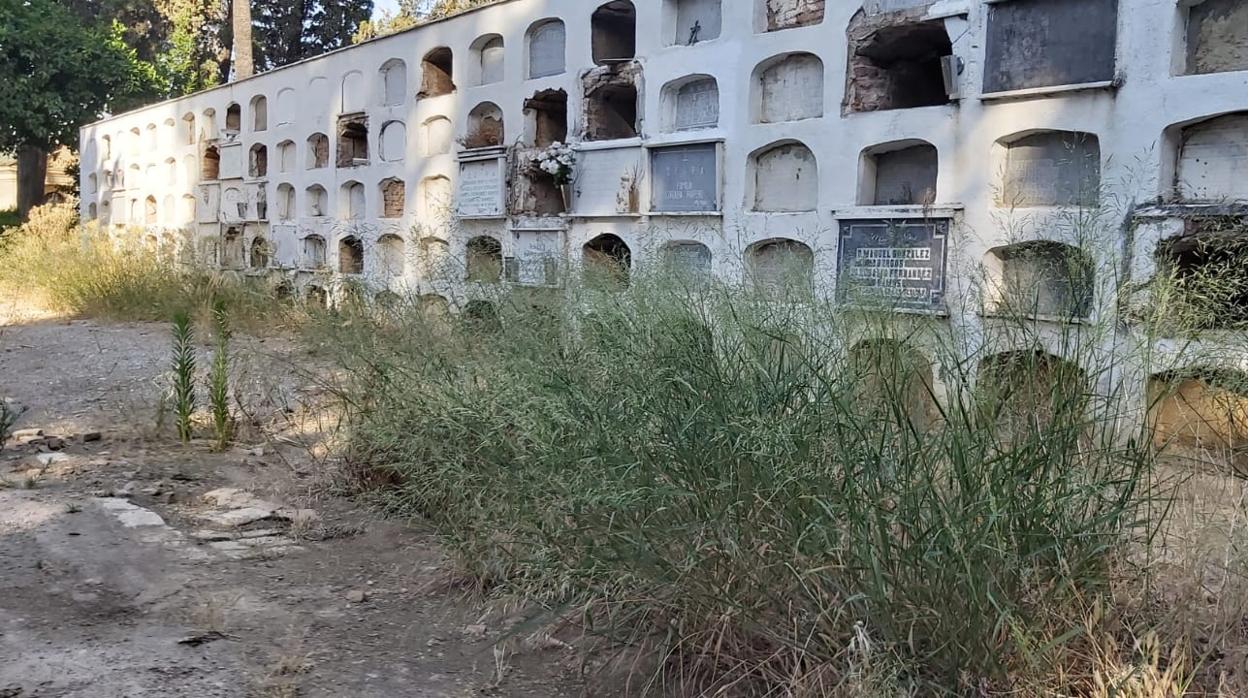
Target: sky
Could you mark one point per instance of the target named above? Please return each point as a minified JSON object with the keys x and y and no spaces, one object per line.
{"x":379,"y":5}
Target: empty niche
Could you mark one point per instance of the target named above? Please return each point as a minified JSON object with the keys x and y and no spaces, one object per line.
{"x":353,"y":93}
{"x":1205,"y":275}
{"x":1042,"y":278}
{"x":786,"y":178}
{"x":896,"y":62}
{"x":435,"y":258}
{"x":787,"y":14}
{"x":607,"y":261}
{"x":391,"y":256}
{"x":393,"y":82}
{"x":353,"y":201}
{"x":485,"y":126}
{"x":888,"y":374}
{"x":437,"y":73}
{"x":693,"y":21}
{"x":314,"y":252}
{"x":547,"y":48}
{"x":168,"y":212}
{"x":318,"y":151}
{"x":149,"y":211}
{"x":285,"y":202}
{"x":691,"y":103}
{"x":611,"y":102}
{"x":1051,"y":168}
{"x":485,"y":260}
{"x":393,"y":198}
{"x":1213,"y":159}
{"x":317,"y":201}
{"x":687,"y":260}
{"x":211,"y":164}
{"x":259,"y":113}
{"x":435,"y":195}
{"x":258,"y":161}
{"x":233,"y":118}
{"x":286,"y":157}
{"x":898,"y":174}
{"x":1025,"y":392}
{"x":350,"y":255}
{"x":482,"y":314}
{"x":393,"y":141}
{"x":1217,"y":36}
{"x":489,"y":56}
{"x":259,"y":256}
{"x":434,"y":308}
{"x":613,"y":32}
{"x":788,"y":88}
{"x":546,"y":118}
{"x":188,"y":208}
{"x":286,"y":107}
{"x":439,"y":133}
{"x":91,"y":211}
{"x":780,"y":267}
{"x":352,"y":140}
{"x":1201,"y":407}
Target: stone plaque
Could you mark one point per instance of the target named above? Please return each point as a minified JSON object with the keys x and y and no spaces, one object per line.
{"x":480,"y":189}
{"x":697,"y":105}
{"x":547,"y":46}
{"x":685,"y":178}
{"x":901,"y":263}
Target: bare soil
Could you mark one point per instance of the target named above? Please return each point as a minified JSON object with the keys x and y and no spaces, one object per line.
{"x":118,"y":578}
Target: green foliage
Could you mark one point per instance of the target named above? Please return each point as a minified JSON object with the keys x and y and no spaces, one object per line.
{"x":9,"y":218}
{"x":219,"y":378}
{"x":183,"y":371}
{"x":60,"y":74}
{"x":753,"y":488}
{"x":286,"y":32}
{"x":190,"y":61}
{"x":412,"y":13}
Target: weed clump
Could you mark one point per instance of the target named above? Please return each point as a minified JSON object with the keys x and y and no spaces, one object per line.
{"x":788,"y":497}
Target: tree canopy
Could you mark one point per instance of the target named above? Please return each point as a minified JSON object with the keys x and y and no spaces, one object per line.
{"x":60,"y":74}
{"x":412,"y":13}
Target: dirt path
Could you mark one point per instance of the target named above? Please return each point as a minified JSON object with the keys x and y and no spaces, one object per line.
{"x":133,"y":566}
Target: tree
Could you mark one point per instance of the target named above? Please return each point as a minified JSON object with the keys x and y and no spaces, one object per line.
{"x":240,"y":25}
{"x":191,"y":60}
{"x":292,"y":30}
{"x":412,"y":13}
{"x":59,"y":75}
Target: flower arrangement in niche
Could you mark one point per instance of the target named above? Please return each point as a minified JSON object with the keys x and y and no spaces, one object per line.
{"x":558,"y":160}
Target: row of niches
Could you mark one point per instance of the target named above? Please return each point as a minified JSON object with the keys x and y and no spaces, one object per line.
{"x":1044,"y":279}
{"x":1031,"y":169}
{"x":897,"y":60}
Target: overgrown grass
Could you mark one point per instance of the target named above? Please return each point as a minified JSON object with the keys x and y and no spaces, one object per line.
{"x":776,"y":505}
{"x":84,"y":270}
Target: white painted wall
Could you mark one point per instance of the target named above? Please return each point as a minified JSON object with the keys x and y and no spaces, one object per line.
{"x":1135,"y":122}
